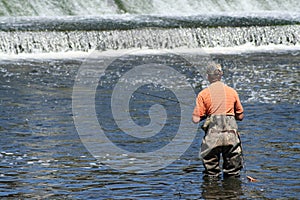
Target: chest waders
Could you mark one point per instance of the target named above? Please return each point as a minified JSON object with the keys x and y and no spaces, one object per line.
{"x":221,"y":139}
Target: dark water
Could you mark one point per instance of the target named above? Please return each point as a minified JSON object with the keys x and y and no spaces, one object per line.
{"x":42,"y":156}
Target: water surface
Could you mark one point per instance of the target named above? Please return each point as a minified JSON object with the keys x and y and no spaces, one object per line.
{"x":42,"y":156}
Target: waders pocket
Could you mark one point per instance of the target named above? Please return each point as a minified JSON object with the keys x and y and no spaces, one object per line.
{"x":206,"y":124}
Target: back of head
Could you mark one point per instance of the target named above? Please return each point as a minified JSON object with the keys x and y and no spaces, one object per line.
{"x":214,"y":71}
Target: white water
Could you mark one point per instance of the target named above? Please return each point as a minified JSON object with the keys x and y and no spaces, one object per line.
{"x":39,"y":42}
{"x":179,"y":7}
{"x":243,"y":49}
{"x":164,"y":7}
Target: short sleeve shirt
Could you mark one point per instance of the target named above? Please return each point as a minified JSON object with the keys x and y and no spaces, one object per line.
{"x":218,"y":99}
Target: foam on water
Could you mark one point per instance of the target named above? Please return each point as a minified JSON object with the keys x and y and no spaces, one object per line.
{"x":246,"y":48}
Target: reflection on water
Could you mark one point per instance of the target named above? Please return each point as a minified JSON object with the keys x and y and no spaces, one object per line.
{"x":230,"y":188}
{"x":42,"y":156}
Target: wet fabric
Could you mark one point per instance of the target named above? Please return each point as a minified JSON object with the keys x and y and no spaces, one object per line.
{"x":221,"y":139}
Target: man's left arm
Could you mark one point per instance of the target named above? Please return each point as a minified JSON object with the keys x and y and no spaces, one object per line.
{"x":196,"y":119}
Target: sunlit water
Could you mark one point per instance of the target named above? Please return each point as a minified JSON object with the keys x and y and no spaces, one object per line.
{"x":42,"y":156}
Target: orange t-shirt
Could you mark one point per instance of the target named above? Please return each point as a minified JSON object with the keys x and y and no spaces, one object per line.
{"x":218,"y":99}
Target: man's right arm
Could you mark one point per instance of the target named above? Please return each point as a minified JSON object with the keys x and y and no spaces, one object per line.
{"x":238,"y":108}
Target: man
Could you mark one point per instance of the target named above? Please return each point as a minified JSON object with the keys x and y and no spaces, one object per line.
{"x":221,"y":107}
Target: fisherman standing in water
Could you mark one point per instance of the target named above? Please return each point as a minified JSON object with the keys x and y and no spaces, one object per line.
{"x":221,"y":107}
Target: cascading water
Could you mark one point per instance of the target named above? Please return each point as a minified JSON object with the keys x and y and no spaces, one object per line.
{"x":191,"y":24}
{"x":153,"y":38}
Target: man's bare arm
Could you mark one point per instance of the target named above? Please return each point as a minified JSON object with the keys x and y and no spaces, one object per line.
{"x":196,"y":119}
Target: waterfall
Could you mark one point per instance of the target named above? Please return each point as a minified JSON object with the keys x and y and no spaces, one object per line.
{"x":152,"y":38}
{"x":78,"y":25}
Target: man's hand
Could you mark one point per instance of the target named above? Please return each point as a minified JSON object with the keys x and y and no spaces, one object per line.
{"x":196,"y":119}
{"x":239,"y":116}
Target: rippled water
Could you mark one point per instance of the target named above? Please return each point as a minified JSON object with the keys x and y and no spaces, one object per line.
{"x":42,"y":156}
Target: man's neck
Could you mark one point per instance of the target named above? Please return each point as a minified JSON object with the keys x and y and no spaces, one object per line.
{"x":215,"y":81}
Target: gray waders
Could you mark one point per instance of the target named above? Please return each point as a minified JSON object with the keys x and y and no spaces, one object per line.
{"x":221,"y":138}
